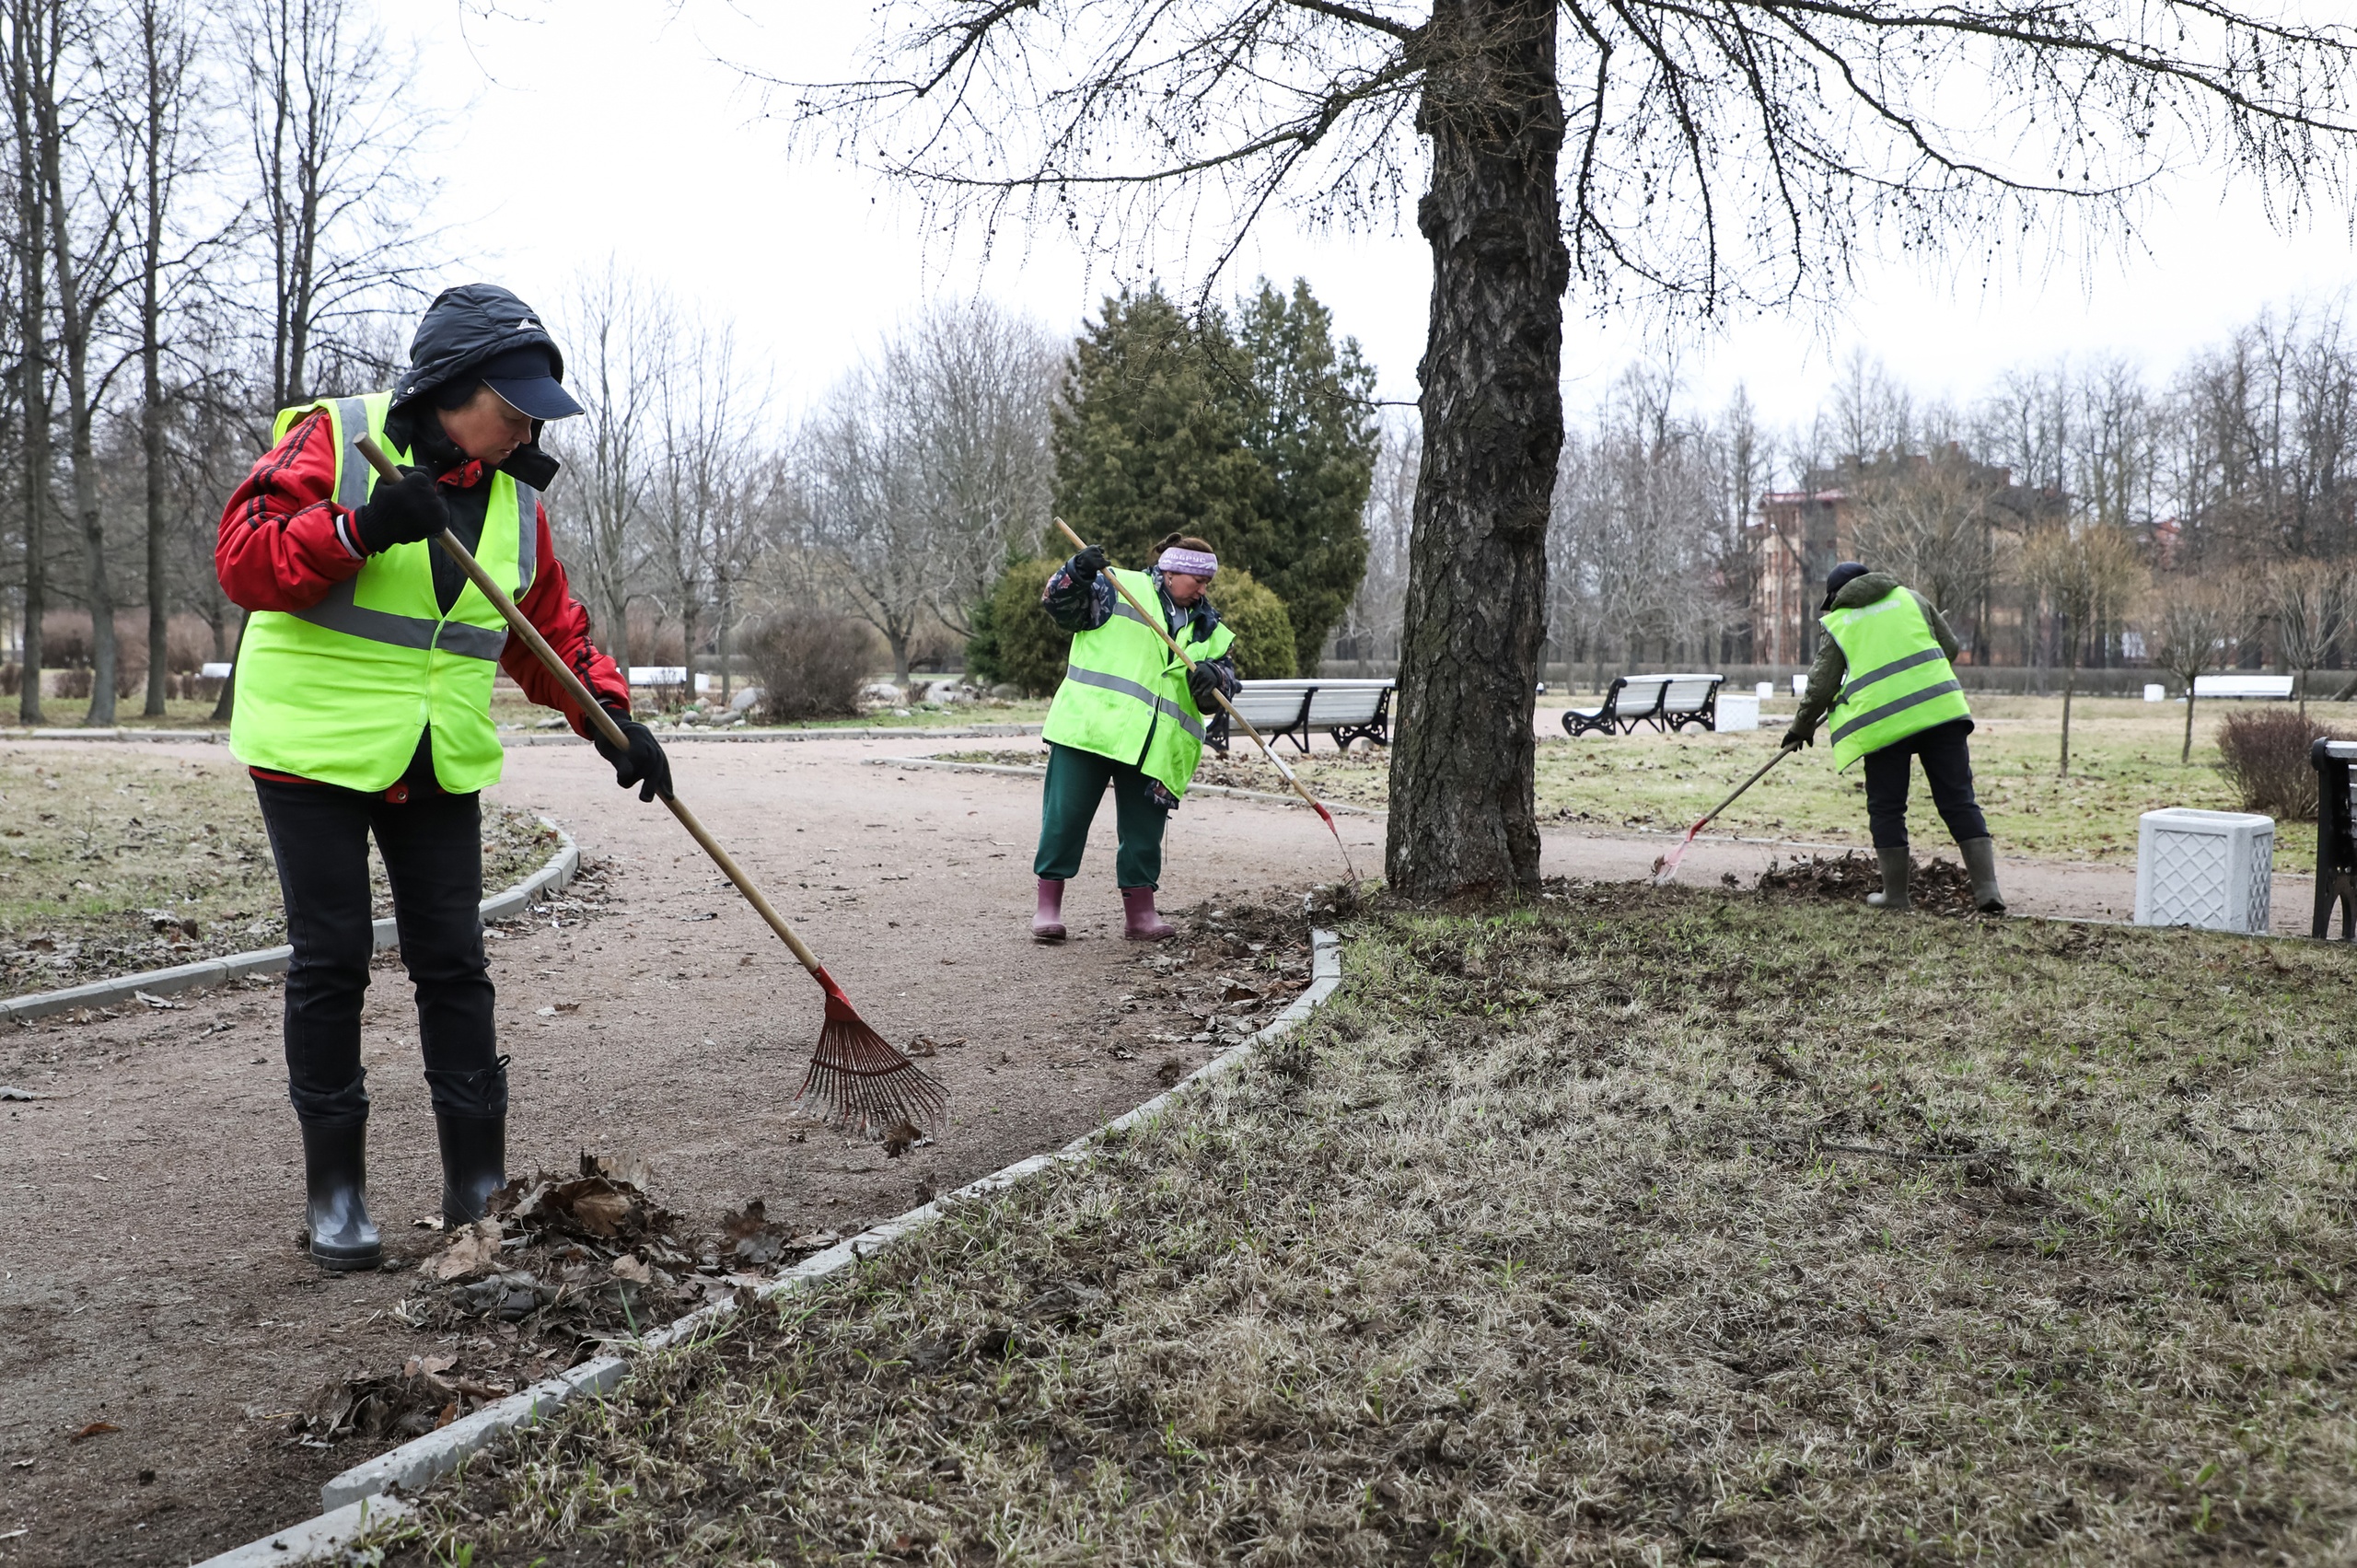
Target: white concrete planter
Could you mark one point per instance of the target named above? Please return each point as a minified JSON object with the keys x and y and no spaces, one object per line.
{"x":2209,"y":869}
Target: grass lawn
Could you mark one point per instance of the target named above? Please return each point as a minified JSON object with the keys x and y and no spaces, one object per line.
{"x":113,"y":861}
{"x":2124,"y":762}
{"x":68,"y":713}
{"x":1627,"y":1227}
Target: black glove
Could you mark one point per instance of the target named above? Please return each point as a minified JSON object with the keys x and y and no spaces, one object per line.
{"x":1088,"y":563}
{"x":643,"y":764}
{"x":1796,"y":737}
{"x":1203,"y":682}
{"x":403,"y":513}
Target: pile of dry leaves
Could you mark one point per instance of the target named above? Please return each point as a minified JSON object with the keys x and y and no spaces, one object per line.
{"x":1939,"y":887}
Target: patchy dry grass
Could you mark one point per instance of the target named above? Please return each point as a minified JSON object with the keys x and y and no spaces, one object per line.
{"x":113,"y":861}
{"x":1631,"y":1227}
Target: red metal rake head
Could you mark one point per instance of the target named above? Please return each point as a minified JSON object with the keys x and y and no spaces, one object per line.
{"x":859,"y":1081}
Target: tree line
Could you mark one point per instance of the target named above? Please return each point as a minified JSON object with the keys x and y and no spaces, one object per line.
{"x":2075,"y":514}
{"x":209,"y":207}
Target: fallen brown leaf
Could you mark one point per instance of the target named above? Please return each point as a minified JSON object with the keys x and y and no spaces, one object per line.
{"x":96,"y":1429}
{"x":475,"y":1247}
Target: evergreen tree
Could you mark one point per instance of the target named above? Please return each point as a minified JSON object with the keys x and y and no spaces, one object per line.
{"x":1253,"y":433}
{"x":1308,"y":416}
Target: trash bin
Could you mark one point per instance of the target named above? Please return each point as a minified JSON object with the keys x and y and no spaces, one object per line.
{"x":2336,"y":839}
{"x":2211,"y":869}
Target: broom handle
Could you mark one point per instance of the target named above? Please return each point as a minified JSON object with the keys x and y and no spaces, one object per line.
{"x":591,"y":710}
{"x":1155,"y":620}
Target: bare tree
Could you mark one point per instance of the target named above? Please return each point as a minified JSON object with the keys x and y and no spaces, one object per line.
{"x":1926,"y":520}
{"x":2310,"y":602}
{"x":162,"y":46}
{"x":338,"y":141}
{"x":2191,"y":624}
{"x":1721,"y":155}
{"x":2090,"y":575}
{"x":36,"y":39}
{"x":705,"y":445}
{"x":618,"y":334}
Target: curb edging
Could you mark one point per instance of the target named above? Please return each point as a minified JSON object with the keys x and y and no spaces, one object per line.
{"x":556,"y":872}
{"x":1269,"y":797}
{"x":422,"y":1459}
{"x":553,"y":737}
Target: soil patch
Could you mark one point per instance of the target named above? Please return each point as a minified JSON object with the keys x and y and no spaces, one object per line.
{"x":1604,"y":1229}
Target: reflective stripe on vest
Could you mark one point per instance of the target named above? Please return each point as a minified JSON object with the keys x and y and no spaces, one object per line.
{"x":1903,"y":683}
{"x":340,"y":691}
{"x":1124,"y":696}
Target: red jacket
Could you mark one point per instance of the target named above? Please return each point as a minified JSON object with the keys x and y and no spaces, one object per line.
{"x":285,"y":543}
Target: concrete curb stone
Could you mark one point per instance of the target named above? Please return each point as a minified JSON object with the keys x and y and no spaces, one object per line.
{"x":556,"y":872}
{"x":422,"y":1459}
{"x":315,"y":1540}
{"x":558,"y":737}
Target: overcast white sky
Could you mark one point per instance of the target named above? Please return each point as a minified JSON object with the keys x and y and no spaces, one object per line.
{"x":613,"y":127}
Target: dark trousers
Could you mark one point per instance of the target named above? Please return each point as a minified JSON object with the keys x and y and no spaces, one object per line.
{"x":432,"y":849}
{"x":1076,"y":781}
{"x":1947,"y":766}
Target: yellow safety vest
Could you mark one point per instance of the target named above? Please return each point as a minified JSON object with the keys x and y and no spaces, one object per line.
{"x":1124,"y":695}
{"x":1898,"y":684}
{"x":340,"y":692}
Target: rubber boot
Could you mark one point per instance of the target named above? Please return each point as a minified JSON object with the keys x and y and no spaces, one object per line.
{"x":1047,"y":919}
{"x":1980,"y":863}
{"x":1893,"y":896}
{"x":337,"y":1231}
{"x":475,"y":1164}
{"x":1138,"y":923}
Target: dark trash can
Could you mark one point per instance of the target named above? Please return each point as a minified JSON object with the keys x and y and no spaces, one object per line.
{"x":2336,"y":838}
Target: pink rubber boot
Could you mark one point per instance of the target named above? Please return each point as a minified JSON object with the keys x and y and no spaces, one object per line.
{"x":1048,"y":920}
{"x":1138,"y":923}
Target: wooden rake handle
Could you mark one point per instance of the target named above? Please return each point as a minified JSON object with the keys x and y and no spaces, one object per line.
{"x":596,"y":713}
{"x":1155,"y":620}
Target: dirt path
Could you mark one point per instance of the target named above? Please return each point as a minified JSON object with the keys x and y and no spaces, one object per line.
{"x":148,"y":1278}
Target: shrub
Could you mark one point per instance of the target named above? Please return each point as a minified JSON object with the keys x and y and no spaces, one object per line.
{"x":1014,"y":641}
{"x":810,"y":663}
{"x":2265,"y":753}
{"x":1264,"y":640}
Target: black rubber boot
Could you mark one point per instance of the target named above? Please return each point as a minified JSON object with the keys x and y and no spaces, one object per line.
{"x":1980,"y":863}
{"x":337,"y":1230}
{"x":1895,"y":868}
{"x":475,"y":1164}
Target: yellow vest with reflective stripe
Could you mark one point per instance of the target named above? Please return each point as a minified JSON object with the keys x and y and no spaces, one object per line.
{"x":340,"y":692}
{"x":1125,"y":696}
{"x":1898,"y":682}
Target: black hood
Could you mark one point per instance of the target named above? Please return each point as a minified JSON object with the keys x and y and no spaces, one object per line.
{"x":462,"y":328}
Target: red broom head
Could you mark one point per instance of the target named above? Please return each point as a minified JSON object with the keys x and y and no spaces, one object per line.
{"x":858,"y":1081}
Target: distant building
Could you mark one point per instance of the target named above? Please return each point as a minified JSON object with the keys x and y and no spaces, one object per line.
{"x":1801,"y":535}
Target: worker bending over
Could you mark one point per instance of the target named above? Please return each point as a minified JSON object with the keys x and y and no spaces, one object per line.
{"x":1903,"y":700}
{"x":1129,"y":713}
{"x":362,"y":707}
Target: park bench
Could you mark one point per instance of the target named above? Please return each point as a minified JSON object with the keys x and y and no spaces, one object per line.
{"x":1347,"y":710}
{"x":1665,"y":701}
{"x":2336,"y":838}
{"x":2278,"y":687}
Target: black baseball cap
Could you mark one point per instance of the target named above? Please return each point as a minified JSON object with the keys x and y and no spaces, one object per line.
{"x":1841,"y":577}
{"x":526,"y":376}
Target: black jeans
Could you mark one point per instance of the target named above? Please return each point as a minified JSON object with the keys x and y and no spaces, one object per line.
{"x":1947,"y":766}
{"x":432,"y":849}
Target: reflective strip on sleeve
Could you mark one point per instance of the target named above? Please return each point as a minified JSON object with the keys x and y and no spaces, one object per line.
{"x":1128,"y":688}
{"x":352,"y":469}
{"x":527,"y":537}
{"x":1897,"y":705}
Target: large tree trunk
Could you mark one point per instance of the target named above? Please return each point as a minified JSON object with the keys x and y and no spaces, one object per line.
{"x":1463,"y":819}
{"x":30,"y":73}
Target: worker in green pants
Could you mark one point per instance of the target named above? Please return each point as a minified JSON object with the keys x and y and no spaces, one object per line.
{"x":1130,"y":715}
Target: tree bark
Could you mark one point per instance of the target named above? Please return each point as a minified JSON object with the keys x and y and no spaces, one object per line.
{"x":160,"y":105}
{"x":31,"y":77}
{"x":1463,"y":818}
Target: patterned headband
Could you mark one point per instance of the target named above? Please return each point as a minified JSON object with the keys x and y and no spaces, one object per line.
{"x":1193,"y":563}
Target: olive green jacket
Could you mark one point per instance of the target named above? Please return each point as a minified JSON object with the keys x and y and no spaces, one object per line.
{"x":1825,"y":677}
